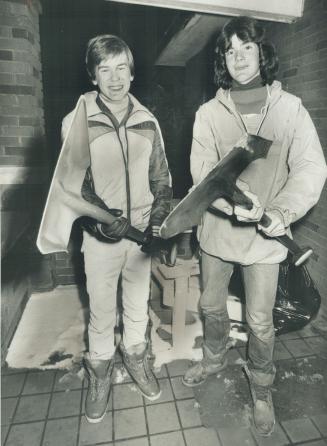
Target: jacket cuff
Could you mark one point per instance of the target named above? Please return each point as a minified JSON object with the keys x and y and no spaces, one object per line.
{"x":285,"y":214}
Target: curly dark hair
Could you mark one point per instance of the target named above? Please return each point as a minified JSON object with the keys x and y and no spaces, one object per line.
{"x":247,"y":30}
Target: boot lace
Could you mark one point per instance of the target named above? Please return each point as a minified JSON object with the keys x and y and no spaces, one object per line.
{"x":262,"y":393}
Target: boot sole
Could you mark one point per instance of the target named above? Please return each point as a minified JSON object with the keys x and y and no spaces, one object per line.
{"x":150,"y":398}
{"x":96,"y":420}
{"x":265,"y":434}
{"x":198,"y":383}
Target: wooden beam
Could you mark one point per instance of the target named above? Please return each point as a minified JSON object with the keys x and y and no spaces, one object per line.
{"x":276,"y":10}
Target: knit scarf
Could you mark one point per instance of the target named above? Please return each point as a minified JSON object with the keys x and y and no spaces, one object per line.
{"x":249,"y":98}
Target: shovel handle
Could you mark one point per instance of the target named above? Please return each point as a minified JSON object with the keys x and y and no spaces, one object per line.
{"x":299,"y":255}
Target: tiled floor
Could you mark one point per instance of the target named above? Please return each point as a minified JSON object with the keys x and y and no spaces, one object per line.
{"x":47,"y":409}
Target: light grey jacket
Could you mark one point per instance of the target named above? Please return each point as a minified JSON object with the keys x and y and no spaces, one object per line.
{"x":289,"y":180}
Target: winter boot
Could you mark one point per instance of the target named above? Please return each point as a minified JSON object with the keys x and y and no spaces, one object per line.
{"x":137,"y":365}
{"x":209,"y":365}
{"x":263,"y":408}
{"x":99,"y":375}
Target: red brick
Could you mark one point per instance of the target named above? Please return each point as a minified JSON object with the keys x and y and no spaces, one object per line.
{"x":12,"y":161}
{"x":15,"y":67}
{"x":9,"y":141}
{"x":8,"y":8}
{"x":8,"y":120}
{"x":17,"y":131}
{"x":6,"y":55}
{"x":17,"y":89}
{"x":29,"y":120}
{"x":14,"y":44}
{"x":5,"y":31}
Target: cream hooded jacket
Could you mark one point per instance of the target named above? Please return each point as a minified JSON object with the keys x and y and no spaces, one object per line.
{"x":289,"y":180}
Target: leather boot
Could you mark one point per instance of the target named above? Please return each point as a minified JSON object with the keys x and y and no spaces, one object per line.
{"x":263,"y":408}
{"x":99,"y":373}
{"x":137,"y":365}
{"x":209,"y":365}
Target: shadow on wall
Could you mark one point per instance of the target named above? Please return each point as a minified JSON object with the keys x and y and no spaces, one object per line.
{"x":22,"y":267}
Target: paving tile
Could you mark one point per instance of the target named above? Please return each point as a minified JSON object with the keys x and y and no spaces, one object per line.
{"x":171,"y":439}
{"x":301,"y":429}
{"x":307,"y":331}
{"x":61,"y":432}
{"x":8,"y":406}
{"x":39,"y":382}
{"x":25,"y":434}
{"x":287,"y":336}
{"x":166,"y":393}
{"x":142,"y":441}
{"x":277,"y":438}
{"x":126,"y":396}
{"x":32,"y":408}
{"x":321,"y":422}
{"x":11,"y":385}
{"x":281,"y":352}
{"x":6,"y":370}
{"x":298,"y":347}
{"x":181,"y":391}
{"x":201,"y":436}
{"x":179,"y":367}
{"x":318,"y":346}
{"x":129,"y":423}
{"x":4,"y":431}
{"x":67,"y":381}
{"x":314,"y":443}
{"x":64,"y":404}
{"x":236,"y":437}
{"x":96,"y":432}
{"x":162,"y":418}
{"x":189,"y":413}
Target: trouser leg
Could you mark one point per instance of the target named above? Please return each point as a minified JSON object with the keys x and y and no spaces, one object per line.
{"x":216,"y":325}
{"x":216,"y":275}
{"x":260,"y":288}
{"x":136,"y":275}
{"x":103,"y":264}
{"x":260,"y":283}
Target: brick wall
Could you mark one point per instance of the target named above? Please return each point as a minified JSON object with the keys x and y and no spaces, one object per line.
{"x":22,"y":156}
{"x":302,"y":50}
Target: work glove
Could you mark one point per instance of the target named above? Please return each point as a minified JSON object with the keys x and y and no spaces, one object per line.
{"x":115,"y":231}
{"x":276,"y":228}
{"x":164,"y":250}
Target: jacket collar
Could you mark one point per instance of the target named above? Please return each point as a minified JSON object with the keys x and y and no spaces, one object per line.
{"x":93,"y":109}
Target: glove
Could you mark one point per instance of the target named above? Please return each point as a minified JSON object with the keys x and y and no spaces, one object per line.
{"x":164,"y":250}
{"x":276,"y":227}
{"x":115,"y":231}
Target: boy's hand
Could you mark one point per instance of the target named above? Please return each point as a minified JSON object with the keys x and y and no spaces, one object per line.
{"x":223,"y":206}
{"x":251,"y":215}
{"x":276,"y":227}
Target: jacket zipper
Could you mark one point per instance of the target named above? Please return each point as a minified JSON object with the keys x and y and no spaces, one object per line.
{"x":125,"y":157}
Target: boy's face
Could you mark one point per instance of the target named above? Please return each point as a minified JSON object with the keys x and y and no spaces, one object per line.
{"x":113,"y":77}
{"x":242,"y":60}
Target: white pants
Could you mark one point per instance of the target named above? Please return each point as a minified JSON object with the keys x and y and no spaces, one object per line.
{"x":104,"y":262}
